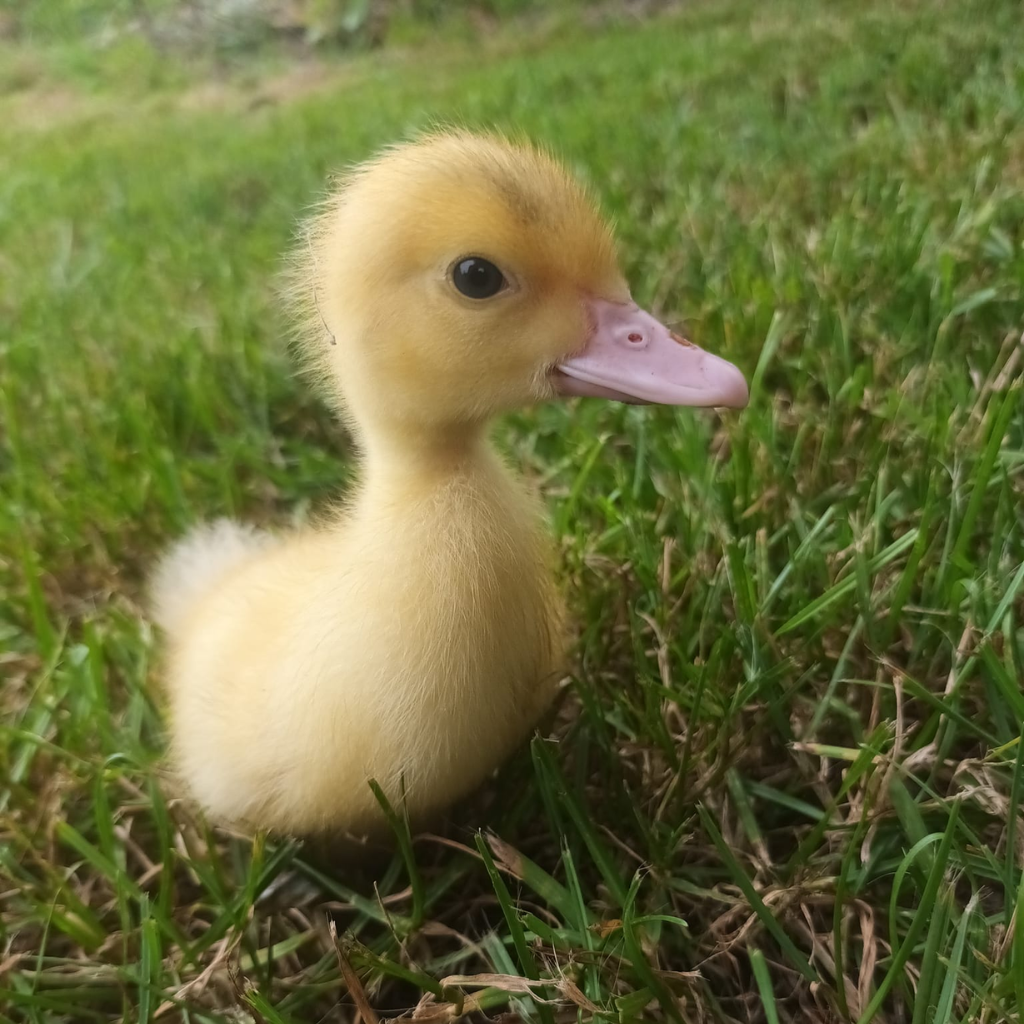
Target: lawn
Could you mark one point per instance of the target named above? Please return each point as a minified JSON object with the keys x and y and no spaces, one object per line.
{"x":785,"y":780}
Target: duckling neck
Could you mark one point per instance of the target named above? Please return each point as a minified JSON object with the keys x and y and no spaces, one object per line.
{"x":416,"y":454}
{"x":450,"y":492}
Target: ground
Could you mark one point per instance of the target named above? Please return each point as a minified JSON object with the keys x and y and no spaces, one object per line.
{"x":785,"y":778}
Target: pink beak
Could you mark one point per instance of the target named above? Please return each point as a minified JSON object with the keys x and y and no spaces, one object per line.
{"x":631,"y":357}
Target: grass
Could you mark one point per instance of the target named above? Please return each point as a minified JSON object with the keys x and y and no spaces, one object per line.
{"x":785,"y":781}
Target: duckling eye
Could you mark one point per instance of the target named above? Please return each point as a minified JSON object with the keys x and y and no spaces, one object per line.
{"x":477,"y":278}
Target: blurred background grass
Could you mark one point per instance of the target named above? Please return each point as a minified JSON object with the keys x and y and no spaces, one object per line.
{"x":785,"y":781}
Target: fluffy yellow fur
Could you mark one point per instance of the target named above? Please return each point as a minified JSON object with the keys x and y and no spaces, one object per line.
{"x":417,"y":637}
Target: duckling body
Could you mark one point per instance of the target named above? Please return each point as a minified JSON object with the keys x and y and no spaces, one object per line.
{"x":415,"y":642}
{"x":416,"y":638}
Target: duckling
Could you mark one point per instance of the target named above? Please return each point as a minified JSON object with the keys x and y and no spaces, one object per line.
{"x":417,"y":636}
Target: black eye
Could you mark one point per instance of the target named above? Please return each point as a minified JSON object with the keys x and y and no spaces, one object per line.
{"x":477,"y":278}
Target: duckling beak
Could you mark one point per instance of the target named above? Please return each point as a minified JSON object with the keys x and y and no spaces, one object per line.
{"x":631,"y":357}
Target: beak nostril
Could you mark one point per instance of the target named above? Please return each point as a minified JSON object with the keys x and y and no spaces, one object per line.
{"x":635,"y":338}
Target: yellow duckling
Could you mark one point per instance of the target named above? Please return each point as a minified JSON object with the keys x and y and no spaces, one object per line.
{"x":417,"y":637}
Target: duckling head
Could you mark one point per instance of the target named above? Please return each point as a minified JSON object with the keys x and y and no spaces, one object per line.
{"x":459,"y":276}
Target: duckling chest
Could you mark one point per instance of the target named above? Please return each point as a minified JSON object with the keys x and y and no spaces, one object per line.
{"x":468,"y":599}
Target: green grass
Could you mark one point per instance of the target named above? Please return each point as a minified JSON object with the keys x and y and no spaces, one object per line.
{"x":784,"y":781}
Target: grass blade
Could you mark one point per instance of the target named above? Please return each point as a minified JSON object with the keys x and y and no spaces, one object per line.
{"x":765,"y":916}
{"x":925,"y":908}
{"x":764,"y":986}
{"x":848,"y":584}
{"x":944,"y":1006}
{"x":515,"y":927}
